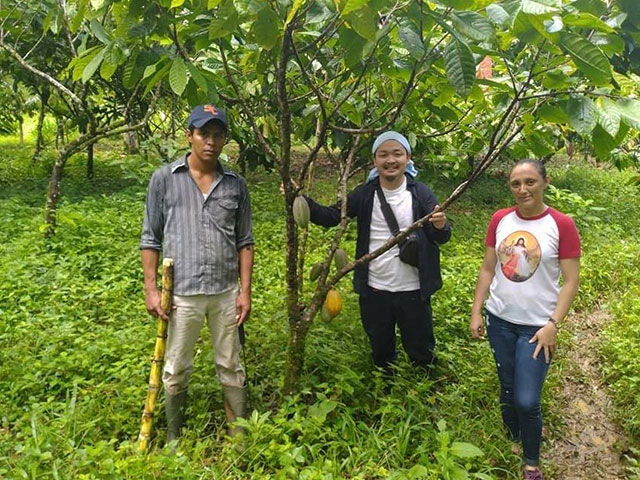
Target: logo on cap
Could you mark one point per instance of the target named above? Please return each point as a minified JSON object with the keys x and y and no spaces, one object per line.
{"x":210,"y":109}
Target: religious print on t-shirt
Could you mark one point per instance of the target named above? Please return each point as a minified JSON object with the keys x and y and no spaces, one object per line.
{"x":519,"y":254}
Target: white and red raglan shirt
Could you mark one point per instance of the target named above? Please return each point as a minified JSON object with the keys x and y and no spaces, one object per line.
{"x":525,"y":286}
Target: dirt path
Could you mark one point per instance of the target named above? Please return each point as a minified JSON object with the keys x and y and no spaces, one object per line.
{"x":589,"y":445}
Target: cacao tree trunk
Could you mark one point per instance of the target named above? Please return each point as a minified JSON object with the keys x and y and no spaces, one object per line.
{"x":44,"y":99}
{"x":131,"y":142}
{"x":21,"y":127}
{"x":297,"y":328}
{"x":295,"y":355}
{"x":90,"y":160}
{"x":59,"y":133}
{"x":53,"y":194}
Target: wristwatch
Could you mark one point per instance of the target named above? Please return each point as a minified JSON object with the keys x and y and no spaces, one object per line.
{"x":554,"y":321}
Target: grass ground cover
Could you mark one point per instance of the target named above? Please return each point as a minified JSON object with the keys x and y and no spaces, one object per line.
{"x":75,"y":341}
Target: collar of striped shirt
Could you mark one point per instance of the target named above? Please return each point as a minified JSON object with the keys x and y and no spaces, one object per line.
{"x":182,"y":163}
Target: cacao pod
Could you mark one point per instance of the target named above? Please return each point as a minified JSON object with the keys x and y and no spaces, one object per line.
{"x":333,"y":302}
{"x":316,"y":270}
{"x":301,"y":212}
{"x":340,"y":259}
{"x":324,"y":313}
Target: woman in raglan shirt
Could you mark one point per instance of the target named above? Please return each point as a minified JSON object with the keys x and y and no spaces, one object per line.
{"x":526,"y":302}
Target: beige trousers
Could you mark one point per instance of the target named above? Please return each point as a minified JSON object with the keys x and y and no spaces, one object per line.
{"x":183,"y":332}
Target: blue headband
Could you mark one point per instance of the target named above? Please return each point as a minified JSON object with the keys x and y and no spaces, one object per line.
{"x":391,"y":135}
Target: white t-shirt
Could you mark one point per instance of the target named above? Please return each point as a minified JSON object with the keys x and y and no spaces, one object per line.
{"x":525,"y":287}
{"x":388,"y":272}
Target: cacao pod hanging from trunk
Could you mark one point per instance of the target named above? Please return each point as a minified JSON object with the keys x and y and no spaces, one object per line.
{"x":333,"y":302}
{"x":340,"y":259}
{"x":316,"y":270}
{"x":301,"y":212}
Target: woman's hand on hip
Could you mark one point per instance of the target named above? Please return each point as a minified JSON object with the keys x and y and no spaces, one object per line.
{"x":546,"y":338}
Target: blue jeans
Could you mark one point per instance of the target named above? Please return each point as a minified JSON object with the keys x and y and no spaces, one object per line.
{"x":521,"y":379}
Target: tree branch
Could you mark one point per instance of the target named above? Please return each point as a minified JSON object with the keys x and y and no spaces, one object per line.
{"x":44,"y":76}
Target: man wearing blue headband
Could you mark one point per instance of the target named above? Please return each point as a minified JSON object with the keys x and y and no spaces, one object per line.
{"x":392,"y":291}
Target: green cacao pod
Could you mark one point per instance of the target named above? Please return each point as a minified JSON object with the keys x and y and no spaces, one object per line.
{"x":316,"y":270}
{"x":333,"y":302}
{"x":340,"y":259}
{"x":324,"y":313}
{"x":301,"y":212}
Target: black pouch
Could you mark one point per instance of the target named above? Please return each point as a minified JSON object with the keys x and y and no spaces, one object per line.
{"x":409,"y":250}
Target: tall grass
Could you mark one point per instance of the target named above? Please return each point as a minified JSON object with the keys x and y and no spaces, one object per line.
{"x":75,"y":343}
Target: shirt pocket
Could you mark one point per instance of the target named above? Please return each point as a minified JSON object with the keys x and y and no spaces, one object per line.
{"x":223,"y":210}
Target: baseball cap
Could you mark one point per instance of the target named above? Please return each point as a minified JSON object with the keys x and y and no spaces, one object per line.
{"x":205,"y":113}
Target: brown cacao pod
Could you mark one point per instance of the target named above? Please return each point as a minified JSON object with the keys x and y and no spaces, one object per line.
{"x":333,"y":302}
{"x":301,"y":212}
{"x":316,"y":270}
{"x":340,"y":259}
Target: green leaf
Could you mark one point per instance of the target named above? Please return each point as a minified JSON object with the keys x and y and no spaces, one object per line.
{"x":498,"y":15}
{"x":473,"y":25}
{"x":266,"y":28}
{"x":595,"y":7}
{"x":76,"y":21}
{"x":365,"y":23}
{"x":98,"y":30}
{"x":93,"y":65}
{"x":322,"y":409}
{"x":178,"y":76}
{"x":109,"y":64}
{"x":353,"y":6}
{"x":445,"y":95}
{"x":418,"y":472}
{"x":602,"y":142}
{"x":225,"y":22}
{"x":588,"y":58}
{"x":610,"y":44}
{"x":458,"y":4}
{"x":294,"y":9}
{"x":353,"y":45}
{"x":198,"y":77}
{"x":411,"y":40}
{"x":80,"y":63}
{"x":586,"y":20}
{"x":460,"y":67}
{"x":541,"y":7}
{"x":582,"y":114}
{"x":630,"y":112}
{"x":608,"y":116}
{"x":157,"y":76}
{"x":176,"y":3}
{"x":553,"y":114}
{"x":465,"y":450}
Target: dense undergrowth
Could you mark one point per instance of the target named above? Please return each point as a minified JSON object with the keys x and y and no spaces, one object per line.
{"x":75,"y":341}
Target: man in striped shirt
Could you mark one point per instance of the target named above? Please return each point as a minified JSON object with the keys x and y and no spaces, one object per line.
{"x":198,"y":213}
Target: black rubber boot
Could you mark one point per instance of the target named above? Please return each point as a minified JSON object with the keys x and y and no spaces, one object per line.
{"x":235,"y":406}
{"x":174,"y":408}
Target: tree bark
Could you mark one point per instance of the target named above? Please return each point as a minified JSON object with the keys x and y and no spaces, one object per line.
{"x":90,"y":160}
{"x":44,"y":99}
{"x":53,"y":194}
{"x":21,"y":127}
{"x":295,"y":356}
{"x":59,"y":133}
{"x":131,"y":142}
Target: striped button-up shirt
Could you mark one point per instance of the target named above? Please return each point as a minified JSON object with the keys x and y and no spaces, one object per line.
{"x":201,"y":232}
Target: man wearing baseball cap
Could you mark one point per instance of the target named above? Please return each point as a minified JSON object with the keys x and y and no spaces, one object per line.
{"x":198,"y":213}
{"x":394,"y":288}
